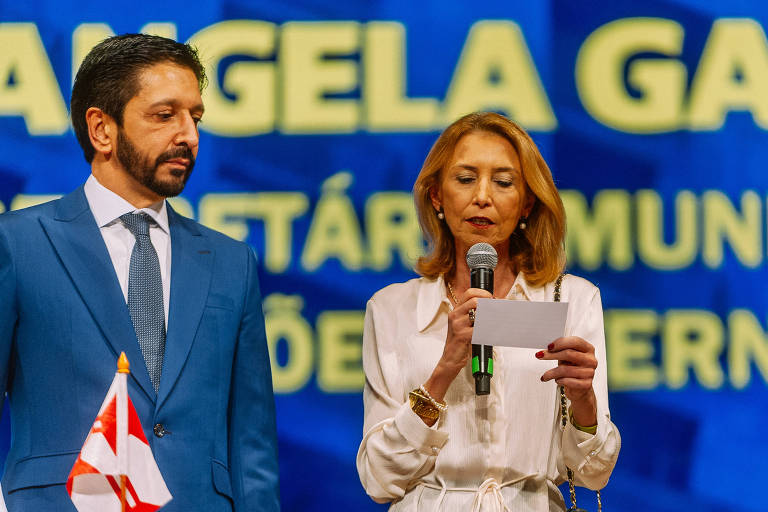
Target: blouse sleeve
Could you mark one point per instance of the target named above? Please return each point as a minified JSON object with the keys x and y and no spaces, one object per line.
{"x":592,"y":457}
{"x":397,"y":446}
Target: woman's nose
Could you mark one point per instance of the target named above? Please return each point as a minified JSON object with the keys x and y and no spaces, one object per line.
{"x":482,"y":193}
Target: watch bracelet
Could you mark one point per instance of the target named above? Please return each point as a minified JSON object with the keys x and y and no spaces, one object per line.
{"x":422,"y":406}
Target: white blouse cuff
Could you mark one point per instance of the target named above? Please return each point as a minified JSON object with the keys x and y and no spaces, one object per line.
{"x":591,"y":447}
{"x":586,"y":441}
{"x":424,"y":439}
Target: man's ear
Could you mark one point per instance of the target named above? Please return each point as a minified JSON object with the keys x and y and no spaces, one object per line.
{"x":435,"y":196}
{"x":102,"y":130}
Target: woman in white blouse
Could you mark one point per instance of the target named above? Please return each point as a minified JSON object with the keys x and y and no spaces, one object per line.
{"x":429,"y":442}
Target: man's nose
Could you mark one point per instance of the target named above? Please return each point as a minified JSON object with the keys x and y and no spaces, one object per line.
{"x":188,"y":133}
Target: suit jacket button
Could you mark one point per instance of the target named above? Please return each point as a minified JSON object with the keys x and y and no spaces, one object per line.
{"x":159,"y":430}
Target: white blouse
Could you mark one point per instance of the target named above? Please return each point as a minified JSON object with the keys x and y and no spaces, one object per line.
{"x":503,"y":451}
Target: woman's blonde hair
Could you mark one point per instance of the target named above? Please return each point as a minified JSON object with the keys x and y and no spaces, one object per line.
{"x":537,"y":251}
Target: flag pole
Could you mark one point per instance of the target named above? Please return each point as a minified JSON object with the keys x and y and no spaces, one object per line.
{"x":123,"y":367}
{"x":122,"y":493}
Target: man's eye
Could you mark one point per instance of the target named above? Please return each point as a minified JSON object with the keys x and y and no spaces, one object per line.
{"x":165,"y":115}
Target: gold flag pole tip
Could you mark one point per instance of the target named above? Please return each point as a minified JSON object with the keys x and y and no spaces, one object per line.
{"x":122,"y":364}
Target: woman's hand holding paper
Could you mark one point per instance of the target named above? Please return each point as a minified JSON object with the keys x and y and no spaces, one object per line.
{"x":576,"y":363}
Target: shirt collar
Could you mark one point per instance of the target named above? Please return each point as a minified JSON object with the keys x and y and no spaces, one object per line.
{"x":432,"y":295}
{"x":107,"y":207}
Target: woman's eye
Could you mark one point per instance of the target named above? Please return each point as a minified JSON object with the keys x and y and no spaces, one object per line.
{"x":504,"y":183}
{"x":465,"y":179}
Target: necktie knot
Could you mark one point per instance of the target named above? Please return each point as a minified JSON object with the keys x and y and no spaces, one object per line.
{"x":137,"y":223}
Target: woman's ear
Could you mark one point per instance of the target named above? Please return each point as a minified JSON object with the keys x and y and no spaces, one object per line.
{"x":435,"y":197}
{"x":102,"y":130}
{"x":530,"y":201}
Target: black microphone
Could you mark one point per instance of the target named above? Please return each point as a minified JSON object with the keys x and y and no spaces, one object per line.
{"x":482,"y":259}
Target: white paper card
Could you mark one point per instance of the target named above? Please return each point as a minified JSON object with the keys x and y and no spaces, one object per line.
{"x":518,"y":323}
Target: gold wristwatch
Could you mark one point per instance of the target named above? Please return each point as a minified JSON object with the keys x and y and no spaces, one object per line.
{"x":422,"y":406}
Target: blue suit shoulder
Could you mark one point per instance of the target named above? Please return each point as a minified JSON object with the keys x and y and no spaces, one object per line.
{"x":212,"y":234}
{"x":217,"y":239}
{"x":29,"y":214}
{"x":16,"y":224}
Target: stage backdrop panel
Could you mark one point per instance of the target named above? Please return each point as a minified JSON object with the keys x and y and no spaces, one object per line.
{"x":652,"y":116}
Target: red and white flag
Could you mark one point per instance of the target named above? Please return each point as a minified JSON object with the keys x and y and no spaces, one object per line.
{"x":116,"y":447}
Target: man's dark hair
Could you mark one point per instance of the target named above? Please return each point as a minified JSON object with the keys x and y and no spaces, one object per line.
{"x":109,"y":76}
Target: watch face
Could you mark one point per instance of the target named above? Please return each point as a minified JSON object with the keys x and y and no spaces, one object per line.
{"x":422,"y":407}
{"x":427,"y":410}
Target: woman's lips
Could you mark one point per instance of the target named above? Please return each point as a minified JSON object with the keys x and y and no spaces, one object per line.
{"x":480,"y":222}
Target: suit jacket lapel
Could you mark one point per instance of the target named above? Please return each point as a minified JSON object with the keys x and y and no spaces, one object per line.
{"x":78,"y":242}
{"x":191,"y":263}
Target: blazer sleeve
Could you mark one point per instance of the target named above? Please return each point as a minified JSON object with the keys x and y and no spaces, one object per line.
{"x":8,"y":310}
{"x":252,"y":430}
{"x":593,"y":457}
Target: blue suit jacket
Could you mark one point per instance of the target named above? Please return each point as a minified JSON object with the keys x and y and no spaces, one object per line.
{"x":63,"y":323}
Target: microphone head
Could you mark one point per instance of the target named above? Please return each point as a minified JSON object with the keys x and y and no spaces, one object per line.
{"x":482,"y":255}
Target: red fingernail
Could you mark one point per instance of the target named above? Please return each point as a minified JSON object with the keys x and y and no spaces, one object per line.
{"x":550,"y":346}
{"x":542,"y":378}
{"x":539,"y":354}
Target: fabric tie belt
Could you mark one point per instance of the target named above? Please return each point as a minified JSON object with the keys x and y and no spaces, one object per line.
{"x":490,"y":486}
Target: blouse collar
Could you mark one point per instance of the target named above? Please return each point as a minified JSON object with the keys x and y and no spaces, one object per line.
{"x":432,"y":296}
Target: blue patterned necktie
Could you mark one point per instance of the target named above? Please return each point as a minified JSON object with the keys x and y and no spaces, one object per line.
{"x":145,"y":295}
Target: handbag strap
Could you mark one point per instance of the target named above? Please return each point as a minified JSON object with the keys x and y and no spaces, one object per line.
{"x":564,"y":422}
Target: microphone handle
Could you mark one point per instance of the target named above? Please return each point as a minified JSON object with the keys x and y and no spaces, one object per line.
{"x":482,"y":355}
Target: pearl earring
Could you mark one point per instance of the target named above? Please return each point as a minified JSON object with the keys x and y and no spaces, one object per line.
{"x":440,"y":215}
{"x":523,"y":223}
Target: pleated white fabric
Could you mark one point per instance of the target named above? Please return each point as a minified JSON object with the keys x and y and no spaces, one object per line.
{"x":501,"y":452}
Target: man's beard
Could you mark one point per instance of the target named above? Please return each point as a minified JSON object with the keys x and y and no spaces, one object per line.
{"x":145,"y":172}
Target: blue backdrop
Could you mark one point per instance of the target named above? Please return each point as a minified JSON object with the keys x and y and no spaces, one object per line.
{"x":652,"y":116}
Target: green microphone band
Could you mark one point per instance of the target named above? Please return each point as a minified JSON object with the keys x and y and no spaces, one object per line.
{"x":476,"y":365}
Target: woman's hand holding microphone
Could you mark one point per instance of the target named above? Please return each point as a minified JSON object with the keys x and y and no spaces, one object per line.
{"x":458,"y":344}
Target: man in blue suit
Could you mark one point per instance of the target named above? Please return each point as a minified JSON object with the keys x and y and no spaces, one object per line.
{"x":110,"y":268}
